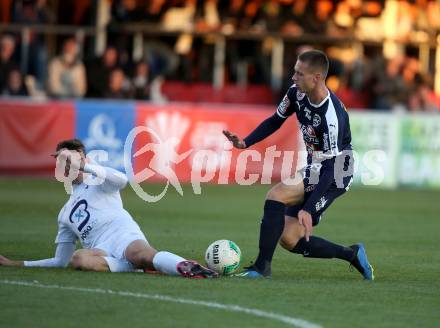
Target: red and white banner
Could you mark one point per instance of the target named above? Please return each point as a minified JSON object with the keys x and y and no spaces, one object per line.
{"x":29,"y":133}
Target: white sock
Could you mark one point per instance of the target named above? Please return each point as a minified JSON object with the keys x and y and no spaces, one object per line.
{"x":166,"y":262}
{"x":116,"y":265}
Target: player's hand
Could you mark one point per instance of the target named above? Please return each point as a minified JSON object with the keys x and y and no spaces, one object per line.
{"x":7,"y":262}
{"x":72,"y":159}
{"x":305,"y":219}
{"x":236,"y":141}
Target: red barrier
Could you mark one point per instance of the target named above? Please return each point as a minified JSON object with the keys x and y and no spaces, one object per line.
{"x":29,"y":132}
{"x":199,"y":128}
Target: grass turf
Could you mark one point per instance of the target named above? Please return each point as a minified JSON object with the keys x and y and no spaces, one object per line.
{"x":399,"y":229}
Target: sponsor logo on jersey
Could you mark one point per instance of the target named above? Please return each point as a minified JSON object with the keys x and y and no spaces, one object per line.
{"x":300,"y":95}
{"x":86,"y":232}
{"x":310,"y":140}
{"x":80,"y":216}
{"x":316,"y":120}
{"x":282,"y":108}
{"x":309,"y":134}
{"x":333,"y":140}
{"x":308,"y":113}
{"x":325,"y":141}
{"x":333,"y":136}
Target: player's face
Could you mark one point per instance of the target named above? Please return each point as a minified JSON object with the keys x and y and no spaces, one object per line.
{"x":304,"y":78}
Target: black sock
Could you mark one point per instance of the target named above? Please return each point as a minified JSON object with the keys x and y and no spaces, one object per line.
{"x":271,"y":228}
{"x":323,"y":249}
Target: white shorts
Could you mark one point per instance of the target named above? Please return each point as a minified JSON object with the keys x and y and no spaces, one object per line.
{"x":116,"y":244}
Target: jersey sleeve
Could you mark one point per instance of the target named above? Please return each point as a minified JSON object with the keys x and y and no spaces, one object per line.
{"x":265,"y":129}
{"x":288,"y":105}
{"x":111,"y":180}
{"x":65,"y":234}
{"x":63,"y":254}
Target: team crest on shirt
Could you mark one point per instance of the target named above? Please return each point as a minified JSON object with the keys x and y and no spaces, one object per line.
{"x":316,"y":120}
{"x":300,"y":95}
{"x":282,"y":108}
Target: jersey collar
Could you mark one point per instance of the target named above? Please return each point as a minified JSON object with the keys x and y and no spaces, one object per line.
{"x":322,"y":102}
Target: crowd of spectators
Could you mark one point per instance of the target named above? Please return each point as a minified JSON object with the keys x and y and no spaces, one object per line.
{"x":183,"y":48}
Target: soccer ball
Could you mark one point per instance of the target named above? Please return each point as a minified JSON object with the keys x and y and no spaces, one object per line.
{"x":223,"y":256}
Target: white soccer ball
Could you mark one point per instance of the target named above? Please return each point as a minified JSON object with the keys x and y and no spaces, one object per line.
{"x":223,"y":256}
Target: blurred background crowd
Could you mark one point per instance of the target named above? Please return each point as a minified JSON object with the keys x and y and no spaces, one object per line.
{"x":384,"y":54}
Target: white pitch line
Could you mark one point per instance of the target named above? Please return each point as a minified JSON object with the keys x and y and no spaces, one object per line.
{"x":300,"y":323}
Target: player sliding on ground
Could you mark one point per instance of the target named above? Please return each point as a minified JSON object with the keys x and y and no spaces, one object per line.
{"x":94,"y":214}
{"x":291,"y":210}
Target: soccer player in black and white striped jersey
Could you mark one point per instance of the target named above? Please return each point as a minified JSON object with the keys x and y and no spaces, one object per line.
{"x":291,"y":211}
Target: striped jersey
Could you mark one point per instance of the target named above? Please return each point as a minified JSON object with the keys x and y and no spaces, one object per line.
{"x":325,"y":126}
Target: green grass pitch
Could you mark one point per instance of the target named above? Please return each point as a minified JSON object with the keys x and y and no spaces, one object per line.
{"x":400,"y":230}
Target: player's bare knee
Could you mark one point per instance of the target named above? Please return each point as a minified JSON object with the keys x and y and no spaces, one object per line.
{"x":99,"y":266}
{"x":288,"y":242}
{"x":76,"y":261}
{"x":292,"y":233}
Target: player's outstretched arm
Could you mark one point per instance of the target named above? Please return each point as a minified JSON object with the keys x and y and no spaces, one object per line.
{"x":63,"y":254}
{"x":4,"y":261}
{"x":236,"y":141}
{"x":261,"y":132}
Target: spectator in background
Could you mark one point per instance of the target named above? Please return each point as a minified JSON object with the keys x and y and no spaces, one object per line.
{"x":15,"y":86}
{"x":246,"y":59}
{"x":126,"y":11}
{"x":7,"y":63}
{"x":118,"y":87}
{"x":67,"y":74}
{"x":231,"y":15}
{"x":389,"y":89}
{"x":141,"y":81}
{"x":207,"y":19}
{"x":98,"y":73}
{"x":33,"y":12}
{"x":421,"y":97}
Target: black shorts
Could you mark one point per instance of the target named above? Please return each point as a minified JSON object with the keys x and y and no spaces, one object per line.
{"x":324,"y":202}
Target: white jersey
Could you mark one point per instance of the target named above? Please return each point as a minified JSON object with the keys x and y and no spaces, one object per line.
{"x":94,"y":213}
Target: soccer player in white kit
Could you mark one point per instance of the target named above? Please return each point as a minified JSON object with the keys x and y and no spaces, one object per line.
{"x":94,"y":215}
